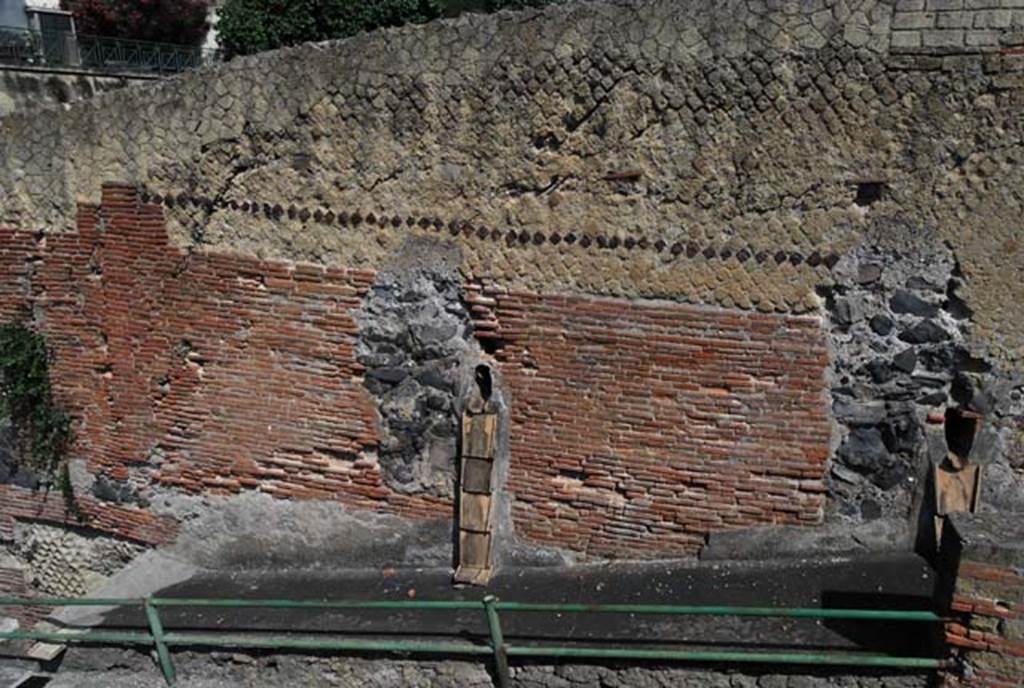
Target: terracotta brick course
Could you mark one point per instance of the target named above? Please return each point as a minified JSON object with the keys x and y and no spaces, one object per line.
{"x":205,"y":372}
{"x":640,"y":427}
{"x":988,"y":604}
{"x":18,"y":503}
{"x":636,"y":427}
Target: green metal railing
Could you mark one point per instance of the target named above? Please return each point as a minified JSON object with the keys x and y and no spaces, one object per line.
{"x":64,"y":49}
{"x":498,"y":648}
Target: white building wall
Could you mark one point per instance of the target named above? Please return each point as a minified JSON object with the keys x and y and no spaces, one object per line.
{"x":12,"y":13}
{"x":212,"y":41}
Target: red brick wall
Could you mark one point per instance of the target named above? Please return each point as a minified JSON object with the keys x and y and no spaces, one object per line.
{"x":638,"y":428}
{"x":18,"y":503}
{"x":209,"y":373}
{"x":988,"y":624}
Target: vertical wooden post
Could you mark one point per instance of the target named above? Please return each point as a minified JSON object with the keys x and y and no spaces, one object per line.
{"x":476,"y":482}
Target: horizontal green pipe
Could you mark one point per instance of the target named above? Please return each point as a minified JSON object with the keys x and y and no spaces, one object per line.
{"x":779,"y":612}
{"x":318,"y":644}
{"x":318,"y":604}
{"x":808,"y":613}
{"x":712,"y":656}
{"x":866,"y":614}
{"x":98,"y":637}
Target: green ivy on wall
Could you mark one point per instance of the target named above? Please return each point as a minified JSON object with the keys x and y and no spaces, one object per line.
{"x":43,"y":430}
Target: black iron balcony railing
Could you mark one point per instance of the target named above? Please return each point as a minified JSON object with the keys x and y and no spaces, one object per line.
{"x":65,"y":50}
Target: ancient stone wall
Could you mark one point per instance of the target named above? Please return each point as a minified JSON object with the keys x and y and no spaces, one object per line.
{"x":755,"y":249}
{"x":25,"y":89}
{"x":181,"y":361}
{"x":216,"y":374}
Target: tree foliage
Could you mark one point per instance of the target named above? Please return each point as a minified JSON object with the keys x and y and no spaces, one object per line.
{"x":164,"y":21}
{"x":249,"y":26}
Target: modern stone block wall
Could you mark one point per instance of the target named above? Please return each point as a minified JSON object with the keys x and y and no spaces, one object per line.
{"x":957,"y":25}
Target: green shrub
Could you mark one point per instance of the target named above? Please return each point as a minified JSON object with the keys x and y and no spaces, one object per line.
{"x":249,"y":26}
{"x":43,"y":431}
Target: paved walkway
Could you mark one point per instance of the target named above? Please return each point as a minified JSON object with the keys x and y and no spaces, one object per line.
{"x":900,"y":581}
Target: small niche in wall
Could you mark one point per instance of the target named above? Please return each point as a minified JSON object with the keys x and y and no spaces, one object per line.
{"x":957,"y":480}
{"x":484,"y":383}
{"x":869,"y":192}
{"x":961,"y":428}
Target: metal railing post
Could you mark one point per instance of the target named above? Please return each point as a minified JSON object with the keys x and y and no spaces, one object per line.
{"x":497,"y":642}
{"x":497,"y":647}
{"x":157,"y":630}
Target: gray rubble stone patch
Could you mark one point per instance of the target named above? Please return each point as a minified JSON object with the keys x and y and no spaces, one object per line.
{"x":415,"y":339}
{"x":884,"y":386}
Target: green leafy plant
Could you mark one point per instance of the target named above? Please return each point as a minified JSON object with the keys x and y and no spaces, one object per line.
{"x":42,"y":429}
{"x":250,"y":26}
